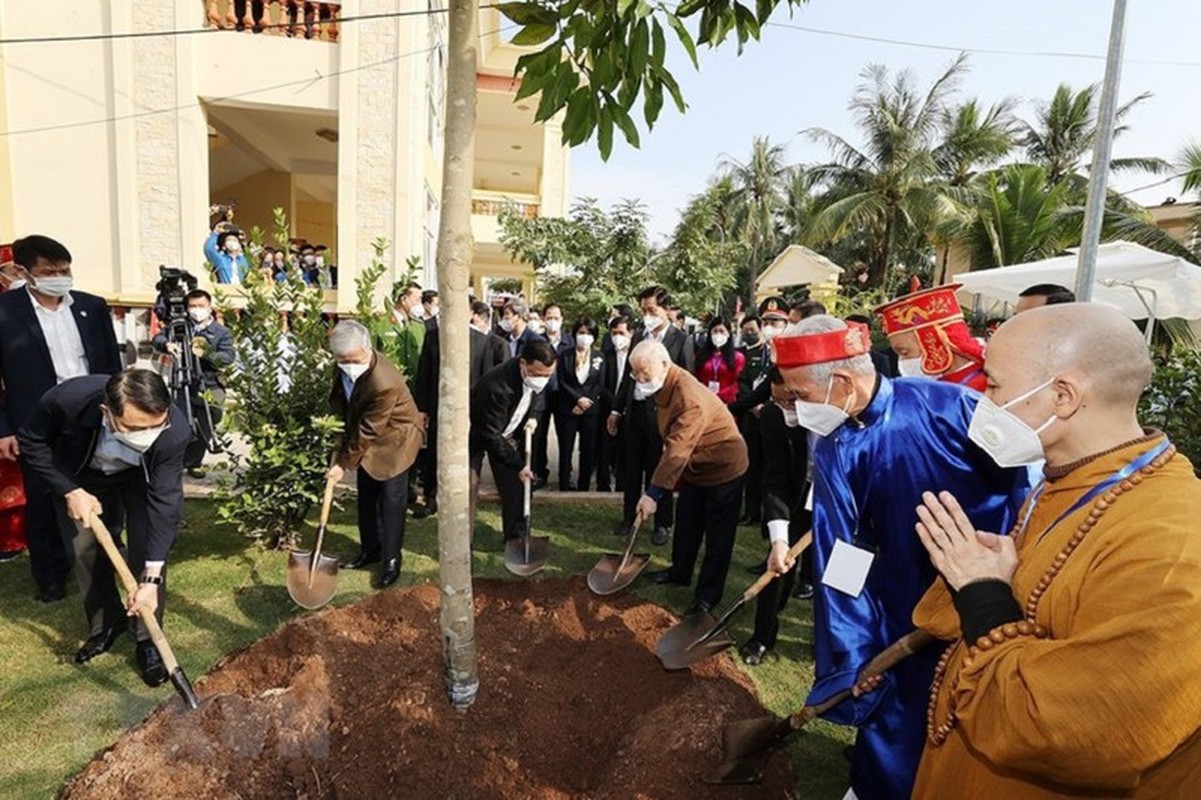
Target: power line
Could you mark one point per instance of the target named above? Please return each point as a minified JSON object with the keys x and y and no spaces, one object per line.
{"x":103,"y":37}
{"x":976,"y":50}
{"x":184,"y":106}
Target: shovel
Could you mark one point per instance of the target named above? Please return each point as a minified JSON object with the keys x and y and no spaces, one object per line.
{"x":526,"y":555}
{"x":179,"y":678}
{"x":747,"y":744}
{"x":615,"y":571}
{"x":699,"y":636}
{"x":313,"y":577}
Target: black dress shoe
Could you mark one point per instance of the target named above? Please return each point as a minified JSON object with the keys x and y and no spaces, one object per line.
{"x":389,"y":572}
{"x":427,"y":510}
{"x":803,"y":591}
{"x":538,"y":484}
{"x":150,"y":664}
{"x":9,"y":555}
{"x":622,"y":529}
{"x":665,"y":576}
{"x":360,"y":561}
{"x":753,"y":652}
{"x":100,"y":643}
{"x":660,"y":536}
{"x":697,"y":607}
{"x":51,"y":593}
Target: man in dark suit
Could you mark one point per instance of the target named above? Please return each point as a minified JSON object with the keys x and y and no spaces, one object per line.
{"x":487,"y":349}
{"x":381,"y":439}
{"x":48,"y":334}
{"x":515,"y":323}
{"x":113,"y":447}
{"x":212,"y":350}
{"x":563,"y":342}
{"x":503,"y":406}
{"x":609,"y":467}
{"x":643,"y":444}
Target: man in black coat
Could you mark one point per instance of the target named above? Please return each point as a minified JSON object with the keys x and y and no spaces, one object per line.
{"x":786,"y":514}
{"x":48,"y":334}
{"x":113,"y":447}
{"x":610,"y":469}
{"x":487,"y":349}
{"x":503,"y":406}
{"x":636,"y":414}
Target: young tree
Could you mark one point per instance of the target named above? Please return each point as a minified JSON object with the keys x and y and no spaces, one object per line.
{"x":600,"y":59}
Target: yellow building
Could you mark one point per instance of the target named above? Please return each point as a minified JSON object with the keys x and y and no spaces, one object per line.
{"x":332,"y":111}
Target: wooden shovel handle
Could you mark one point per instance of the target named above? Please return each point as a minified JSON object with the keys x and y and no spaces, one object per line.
{"x":885,"y":660}
{"x":768,"y":576}
{"x":327,"y":500}
{"x":96,"y":525}
{"x":529,"y":460}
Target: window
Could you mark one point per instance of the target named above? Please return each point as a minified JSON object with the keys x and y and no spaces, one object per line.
{"x":430,"y":250}
{"x":436,"y":79}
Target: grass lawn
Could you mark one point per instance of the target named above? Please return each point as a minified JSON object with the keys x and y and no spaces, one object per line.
{"x":226,"y":593}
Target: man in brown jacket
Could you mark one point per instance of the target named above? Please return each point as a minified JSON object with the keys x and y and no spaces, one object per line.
{"x":381,"y":439}
{"x":705,"y":456}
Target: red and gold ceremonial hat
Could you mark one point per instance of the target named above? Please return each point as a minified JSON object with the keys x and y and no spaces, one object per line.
{"x":935,"y":317}
{"x":773,"y":308}
{"x":818,"y":348}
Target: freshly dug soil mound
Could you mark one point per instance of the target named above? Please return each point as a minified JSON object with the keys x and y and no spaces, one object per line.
{"x":349,"y":703}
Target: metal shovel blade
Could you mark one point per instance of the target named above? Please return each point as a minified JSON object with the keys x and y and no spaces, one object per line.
{"x":311,"y":588}
{"x":682,"y":646}
{"x":526,"y":555}
{"x":609,"y":577}
{"x":741,"y":772}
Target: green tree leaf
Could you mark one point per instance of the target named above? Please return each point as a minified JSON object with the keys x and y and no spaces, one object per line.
{"x":529,"y":13}
{"x":535,"y":33}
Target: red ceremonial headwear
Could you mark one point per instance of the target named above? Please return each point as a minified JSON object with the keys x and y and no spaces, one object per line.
{"x":801,"y":350}
{"x":937,"y":320}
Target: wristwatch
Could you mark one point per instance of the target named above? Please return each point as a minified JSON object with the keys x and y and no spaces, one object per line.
{"x":157,"y":580}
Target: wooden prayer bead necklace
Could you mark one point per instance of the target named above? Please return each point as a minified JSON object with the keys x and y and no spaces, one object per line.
{"x":937,"y":735}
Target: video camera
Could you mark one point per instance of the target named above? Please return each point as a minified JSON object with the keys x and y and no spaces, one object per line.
{"x":173,"y":287}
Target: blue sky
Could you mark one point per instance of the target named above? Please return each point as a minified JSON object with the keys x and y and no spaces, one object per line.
{"x":792,"y":80}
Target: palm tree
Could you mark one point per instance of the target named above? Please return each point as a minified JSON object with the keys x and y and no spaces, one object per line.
{"x":1062,"y":135}
{"x":756,"y":201}
{"x":890,"y":184}
{"x":1188,"y":164}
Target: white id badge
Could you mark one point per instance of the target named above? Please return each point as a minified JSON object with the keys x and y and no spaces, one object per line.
{"x":714,"y":387}
{"x":809,"y":499}
{"x":847,"y":568}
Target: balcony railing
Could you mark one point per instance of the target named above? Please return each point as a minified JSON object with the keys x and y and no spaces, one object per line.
{"x":490,"y":205}
{"x":299,"y":19}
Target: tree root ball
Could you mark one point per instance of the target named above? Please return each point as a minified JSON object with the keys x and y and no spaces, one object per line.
{"x":349,"y":703}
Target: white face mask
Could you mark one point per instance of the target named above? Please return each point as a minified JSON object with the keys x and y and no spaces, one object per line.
{"x":719,"y":340}
{"x":199,"y":315}
{"x":1004,"y":436}
{"x":537,"y":327}
{"x":354,"y":371}
{"x":57,"y":286}
{"x":621,"y":341}
{"x":506,"y":324}
{"x":554,"y":325}
{"x":822,"y":418}
{"x":432,"y":312}
{"x":233,"y":247}
{"x":771,"y":331}
{"x":646,"y":389}
{"x":310,"y":260}
{"x":584,"y":341}
{"x":911,"y":368}
{"x":652,"y":323}
{"x":141,"y":441}
{"x":536,"y":383}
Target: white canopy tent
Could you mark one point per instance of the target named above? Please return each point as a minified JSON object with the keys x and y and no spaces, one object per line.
{"x":1140,"y":282}
{"x":795,"y":266}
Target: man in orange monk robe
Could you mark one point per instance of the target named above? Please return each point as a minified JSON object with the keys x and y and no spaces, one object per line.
{"x":1074,"y":667}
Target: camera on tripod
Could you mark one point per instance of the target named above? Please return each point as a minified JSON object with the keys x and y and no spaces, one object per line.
{"x":173,"y":287}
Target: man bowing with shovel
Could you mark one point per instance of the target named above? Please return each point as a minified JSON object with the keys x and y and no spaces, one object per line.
{"x":381,"y":440}
{"x":705,"y":455}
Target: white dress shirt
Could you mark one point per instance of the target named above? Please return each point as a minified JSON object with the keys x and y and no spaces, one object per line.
{"x":622,"y":357}
{"x":62,"y":338}
{"x":523,"y":405}
{"x":583,"y":366}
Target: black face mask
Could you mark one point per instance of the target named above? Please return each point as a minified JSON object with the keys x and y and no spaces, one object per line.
{"x":750,"y":339}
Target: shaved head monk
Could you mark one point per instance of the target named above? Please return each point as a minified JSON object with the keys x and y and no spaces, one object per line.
{"x":1075,"y":655}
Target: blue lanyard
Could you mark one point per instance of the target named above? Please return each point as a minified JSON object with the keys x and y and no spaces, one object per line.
{"x":969,"y":378}
{"x":1093,"y":493}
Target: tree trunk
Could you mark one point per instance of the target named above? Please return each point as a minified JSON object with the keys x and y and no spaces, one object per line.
{"x":454,"y":266}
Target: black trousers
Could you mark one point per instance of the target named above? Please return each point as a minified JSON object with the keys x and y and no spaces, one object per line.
{"x":572,"y":428}
{"x":540,"y":462}
{"x":205,"y":418}
{"x":753,"y":500}
{"x":48,"y":559}
{"x":382,"y":507}
{"x":512,"y":494}
{"x":642,"y":448}
{"x":708,"y":514}
{"x":123,"y":497}
{"x":609,"y":461}
{"x":774,"y":597}
{"x":427,"y":461}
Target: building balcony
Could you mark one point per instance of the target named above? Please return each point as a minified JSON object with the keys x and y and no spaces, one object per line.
{"x":486,"y":208}
{"x":303,"y":19}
